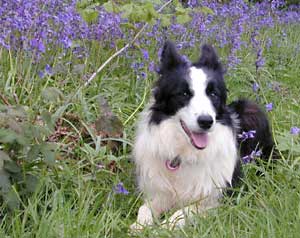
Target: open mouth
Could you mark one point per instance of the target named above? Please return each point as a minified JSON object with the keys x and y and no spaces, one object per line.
{"x":198,"y":139}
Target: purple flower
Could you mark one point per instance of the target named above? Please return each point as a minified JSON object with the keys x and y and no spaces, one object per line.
{"x":151,"y":67}
{"x":269,"y":43}
{"x":38,"y":44}
{"x":48,"y":69}
{"x":295,"y":130}
{"x":144,"y":74}
{"x":119,"y":189}
{"x":255,"y":87}
{"x":260,"y":61}
{"x":249,"y":158}
{"x":145,"y":54}
{"x":247,"y":135}
{"x":269,"y":107}
{"x":41,"y":74}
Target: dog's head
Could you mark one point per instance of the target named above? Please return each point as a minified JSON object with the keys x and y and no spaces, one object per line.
{"x":193,"y":94}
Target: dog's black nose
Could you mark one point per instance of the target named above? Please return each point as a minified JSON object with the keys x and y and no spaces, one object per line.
{"x":205,"y":122}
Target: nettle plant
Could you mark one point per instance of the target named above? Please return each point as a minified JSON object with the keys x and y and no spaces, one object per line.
{"x":23,"y":152}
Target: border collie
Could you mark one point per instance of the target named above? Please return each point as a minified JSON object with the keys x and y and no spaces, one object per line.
{"x":187,"y":148}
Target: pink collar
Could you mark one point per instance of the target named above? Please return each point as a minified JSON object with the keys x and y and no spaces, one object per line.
{"x":174,"y":164}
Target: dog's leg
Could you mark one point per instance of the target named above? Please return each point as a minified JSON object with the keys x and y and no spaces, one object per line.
{"x":144,"y":218}
{"x":178,"y":219}
{"x":147,"y":213}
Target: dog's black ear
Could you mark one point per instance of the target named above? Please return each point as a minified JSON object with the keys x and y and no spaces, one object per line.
{"x":209,"y":59}
{"x":170,"y":58}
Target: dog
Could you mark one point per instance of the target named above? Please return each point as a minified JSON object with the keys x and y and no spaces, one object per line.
{"x":188,"y":145}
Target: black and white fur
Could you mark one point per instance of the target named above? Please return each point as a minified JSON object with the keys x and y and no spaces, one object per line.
{"x":186,"y":147}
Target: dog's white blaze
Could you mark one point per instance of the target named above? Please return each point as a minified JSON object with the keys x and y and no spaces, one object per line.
{"x":200,"y":104}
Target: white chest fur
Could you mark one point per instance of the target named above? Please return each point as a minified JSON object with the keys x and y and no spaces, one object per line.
{"x":202,"y":173}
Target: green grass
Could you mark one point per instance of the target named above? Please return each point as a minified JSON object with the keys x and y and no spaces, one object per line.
{"x":75,"y":198}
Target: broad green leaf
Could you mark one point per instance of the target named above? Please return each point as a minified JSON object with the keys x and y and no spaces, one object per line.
{"x":5,"y":184}
{"x":165,"y":20}
{"x":207,"y":10}
{"x":7,"y":136}
{"x":182,"y":19}
{"x":52,"y":94}
{"x":90,"y":15}
{"x":33,"y":153}
{"x":48,"y":120}
{"x":4,"y":156}
{"x":150,"y":12}
{"x":78,"y":69}
{"x":31,"y":183}
{"x":34,"y":132}
{"x":111,"y":7}
{"x":49,"y":152}
{"x":83,"y":4}
{"x":7,"y":193}
{"x":127,"y":10}
{"x":11,"y":167}
{"x":12,"y":200}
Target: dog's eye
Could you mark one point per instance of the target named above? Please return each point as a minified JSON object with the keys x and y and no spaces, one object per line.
{"x":186,"y":94}
{"x":213,"y":94}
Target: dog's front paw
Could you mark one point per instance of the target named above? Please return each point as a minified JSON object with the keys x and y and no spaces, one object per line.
{"x":177,"y":220}
{"x":144,"y":219}
{"x":136,"y":227}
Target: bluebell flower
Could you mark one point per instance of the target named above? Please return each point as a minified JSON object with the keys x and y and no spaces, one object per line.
{"x":247,"y":135}
{"x":119,"y":189}
{"x":295,"y":130}
{"x":249,"y":158}
{"x":145,"y":54}
{"x":269,"y":107}
{"x":151,"y":66}
{"x":255,"y":87}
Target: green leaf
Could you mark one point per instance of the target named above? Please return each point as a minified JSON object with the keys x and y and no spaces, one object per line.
{"x":90,"y":15}
{"x":11,"y":166}
{"x":49,"y":152}
{"x":7,"y":136}
{"x":207,"y":10}
{"x":111,"y":7}
{"x":35,"y":132}
{"x":31,"y":183}
{"x":78,"y":69}
{"x":288,"y":143}
{"x":12,"y":200}
{"x":150,"y":12}
{"x":5,"y":184}
{"x":52,"y":94}
{"x":4,"y":156}
{"x":48,"y":120}
{"x":182,"y":19}
{"x":127,"y":10}
{"x":82,"y":4}
{"x":9,"y":196}
{"x":182,"y":14}
{"x":33,"y":153}
{"x":60,"y":111}
{"x":165,"y":20}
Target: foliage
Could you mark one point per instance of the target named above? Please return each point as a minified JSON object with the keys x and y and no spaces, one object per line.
{"x":23,"y":147}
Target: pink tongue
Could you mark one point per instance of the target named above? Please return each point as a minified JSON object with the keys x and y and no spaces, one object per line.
{"x":200,"y":140}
